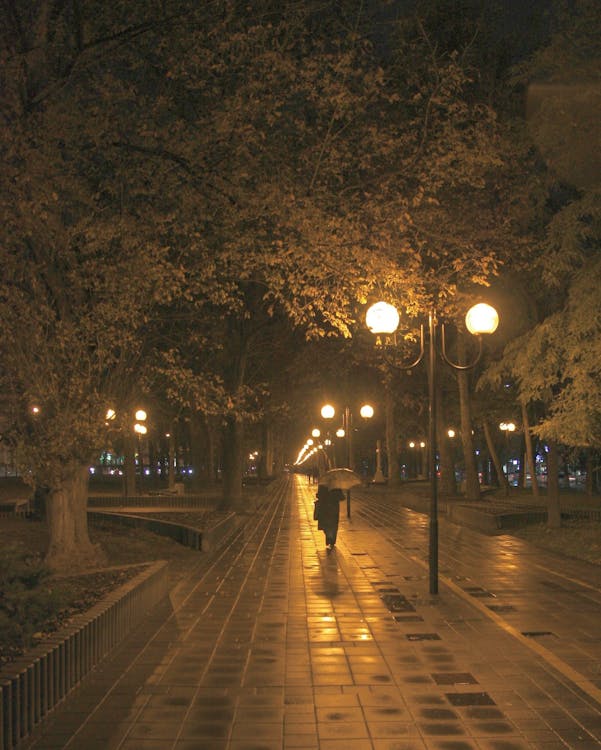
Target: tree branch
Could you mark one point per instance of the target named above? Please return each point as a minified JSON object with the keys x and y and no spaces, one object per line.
{"x":180,"y":161}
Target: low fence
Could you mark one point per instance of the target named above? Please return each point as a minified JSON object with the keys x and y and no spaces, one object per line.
{"x":497,"y":520}
{"x":587,"y":514}
{"x":33,"y":686}
{"x":11,"y":508}
{"x":199,"y":539}
{"x":154,"y":501}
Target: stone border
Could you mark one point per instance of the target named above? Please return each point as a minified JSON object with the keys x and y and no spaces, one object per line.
{"x":151,"y":501}
{"x":32,"y":686}
{"x":198,"y":539}
{"x":493,"y":522}
{"x":493,"y":519}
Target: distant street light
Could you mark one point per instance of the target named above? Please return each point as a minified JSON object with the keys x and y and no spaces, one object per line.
{"x":507,"y":428}
{"x":366,"y":411}
{"x":328,"y":411}
{"x":382,"y":319}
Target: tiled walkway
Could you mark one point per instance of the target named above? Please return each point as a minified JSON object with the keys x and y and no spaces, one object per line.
{"x":284,"y":645}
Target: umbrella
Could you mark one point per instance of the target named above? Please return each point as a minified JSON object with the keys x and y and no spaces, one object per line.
{"x":341,"y":479}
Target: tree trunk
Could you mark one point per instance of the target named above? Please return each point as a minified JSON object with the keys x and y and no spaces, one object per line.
{"x":232,"y":444}
{"x":280,"y":452}
{"x":196,"y":450}
{"x":448,"y":483}
{"x":495,"y":456}
{"x":472,"y":483}
{"x":172,"y":459}
{"x":394,"y":467}
{"x":553,"y":505}
{"x":590,"y":472}
{"x":205,"y":432}
{"x":233,"y":464}
{"x":152,"y":459}
{"x":523,"y":463}
{"x":129,"y":455}
{"x":529,"y":450}
{"x":213,"y":455}
{"x":266,"y":459}
{"x":70,"y":547}
{"x":40,"y":501}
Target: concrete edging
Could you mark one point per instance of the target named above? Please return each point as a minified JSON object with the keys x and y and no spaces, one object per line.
{"x":150,"y":501}
{"x":32,"y":686}
{"x":492,"y":523}
{"x":205,"y":540}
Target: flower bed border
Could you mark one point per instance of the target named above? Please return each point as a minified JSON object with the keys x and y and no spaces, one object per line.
{"x":199,"y":539}
{"x":32,"y":686}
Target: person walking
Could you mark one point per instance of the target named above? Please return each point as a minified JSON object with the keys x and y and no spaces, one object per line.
{"x":327,"y":512}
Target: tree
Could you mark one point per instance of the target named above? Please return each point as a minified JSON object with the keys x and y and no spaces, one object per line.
{"x":83,"y":274}
{"x":78,"y":327}
{"x":198,"y":171}
{"x":551,"y":360}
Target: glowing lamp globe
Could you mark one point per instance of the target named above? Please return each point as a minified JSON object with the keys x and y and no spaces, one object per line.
{"x":382,"y":317}
{"x":366,"y":411}
{"x":482,"y":318}
{"x":507,"y":426}
{"x":328,"y":411}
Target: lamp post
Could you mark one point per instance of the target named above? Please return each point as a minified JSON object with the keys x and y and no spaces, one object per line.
{"x":382,"y":319}
{"x":140,"y":429}
{"x":329,"y":412}
{"x":132,"y":438}
{"x":417,"y":463}
{"x":507,"y":428}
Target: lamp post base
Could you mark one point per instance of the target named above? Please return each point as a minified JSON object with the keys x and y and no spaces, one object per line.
{"x":379,"y":478}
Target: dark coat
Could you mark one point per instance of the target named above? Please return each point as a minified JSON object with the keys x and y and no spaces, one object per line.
{"x":328,"y":509}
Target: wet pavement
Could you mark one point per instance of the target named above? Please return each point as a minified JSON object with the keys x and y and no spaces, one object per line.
{"x":279,"y":643}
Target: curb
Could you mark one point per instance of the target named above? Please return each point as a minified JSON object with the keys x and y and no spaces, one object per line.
{"x":490,"y":522}
{"x":198,"y":539}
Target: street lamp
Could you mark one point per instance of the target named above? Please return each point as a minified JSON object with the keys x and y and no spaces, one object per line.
{"x":507,"y":428}
{"x":366,"y":411}
{"x":417,"y":464}
{"x":140,"y":429}
{"x":382,"y":319}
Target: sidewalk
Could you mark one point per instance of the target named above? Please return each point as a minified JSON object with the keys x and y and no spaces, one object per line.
{"x":282,"y":645}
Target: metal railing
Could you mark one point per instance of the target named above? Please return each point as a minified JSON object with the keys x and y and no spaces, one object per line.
{"x":31,"y":687}
{"x":152,"y":501}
